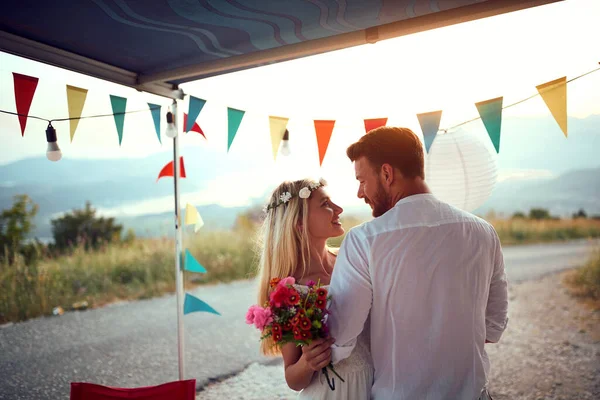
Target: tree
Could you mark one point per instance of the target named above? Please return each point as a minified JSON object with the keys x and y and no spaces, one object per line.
{"x":16,"y":223}
{"x":539,"y":213}
{"x":82,"y":226}
{"x":518,"y":215}
{"x":580,"y":214}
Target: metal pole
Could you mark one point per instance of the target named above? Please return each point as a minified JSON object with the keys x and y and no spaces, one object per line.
{"x":178,"y":248}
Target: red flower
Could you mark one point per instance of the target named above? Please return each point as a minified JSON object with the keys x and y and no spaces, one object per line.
{"x":277,"y":336}
{"x":321,"y":303}
{"x":274,"y":282}
{"x":322,"y":293}
{"x":305,"y":324}
{"x":297,"y":333}
{"x":296,"y":320}
{"x":287,"y":326}
{"x":276,"y":328}
{"x":301,"y":312}
{"x":280,"y":296}
{"x":293,"y":297}
{"x":306,"y":335}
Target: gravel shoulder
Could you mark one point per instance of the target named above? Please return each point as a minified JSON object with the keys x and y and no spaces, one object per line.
{"x":551,"y":350}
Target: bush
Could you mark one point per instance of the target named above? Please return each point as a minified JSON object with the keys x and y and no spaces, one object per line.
{"x":585,"y":281}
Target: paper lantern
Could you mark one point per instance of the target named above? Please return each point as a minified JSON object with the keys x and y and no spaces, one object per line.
{"x":461,"y":168}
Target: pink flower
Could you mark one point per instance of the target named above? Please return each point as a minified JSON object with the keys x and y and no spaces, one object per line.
{"x":262,"y":317}
{"x":311,"y":283}
{"x":287,"y":281}
{"x":250,"y":314}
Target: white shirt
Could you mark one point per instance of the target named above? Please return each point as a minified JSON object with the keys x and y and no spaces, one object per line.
{"x":428,"y":281}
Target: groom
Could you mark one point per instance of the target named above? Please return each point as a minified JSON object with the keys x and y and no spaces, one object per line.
{"x":424,"y":278}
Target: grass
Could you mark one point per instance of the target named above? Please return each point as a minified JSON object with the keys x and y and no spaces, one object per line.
{"x":145,"y":268}
{"x":584,"y":282}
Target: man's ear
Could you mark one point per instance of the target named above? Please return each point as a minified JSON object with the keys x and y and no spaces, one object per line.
{"x":388,"y":174}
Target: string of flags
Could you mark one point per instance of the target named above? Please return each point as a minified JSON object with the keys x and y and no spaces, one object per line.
{"x":553,"y":93}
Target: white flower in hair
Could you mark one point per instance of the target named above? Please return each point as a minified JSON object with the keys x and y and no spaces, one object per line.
{"x":314,"y":185}
{"x":322,"y":182}
{"x":304,"y":193}
{"x":285,"y":197}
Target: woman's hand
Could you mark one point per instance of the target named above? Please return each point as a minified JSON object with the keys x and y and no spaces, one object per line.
{"x":317,"y":354}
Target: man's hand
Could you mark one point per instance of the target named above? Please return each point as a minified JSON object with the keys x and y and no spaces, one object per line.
{"x":318,"y":353}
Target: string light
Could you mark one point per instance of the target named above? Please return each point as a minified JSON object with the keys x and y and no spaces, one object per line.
{"x":53,"y":152}
{"x":171,"y":128}
{"x":285,"y":144}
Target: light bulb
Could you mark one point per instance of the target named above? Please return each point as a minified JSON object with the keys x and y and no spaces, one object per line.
{"x":53,"y":152}
{"x":171,"y":128}
{"x":285,"y":144}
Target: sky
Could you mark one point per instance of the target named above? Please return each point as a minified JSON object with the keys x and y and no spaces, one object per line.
{"x":445,"y":69}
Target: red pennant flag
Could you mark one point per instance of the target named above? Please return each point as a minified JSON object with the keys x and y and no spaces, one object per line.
{"x":168,"y":170}
{"x":24,"y":90}
{"x":323,"y":130}
{"x":374,"y":123}
{"x":195,"y":128}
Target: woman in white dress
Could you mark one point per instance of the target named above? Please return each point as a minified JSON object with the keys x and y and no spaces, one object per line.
{"x":300,"y":217}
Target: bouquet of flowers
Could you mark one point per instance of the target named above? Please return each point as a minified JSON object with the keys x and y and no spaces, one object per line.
{"x":293,"y":316}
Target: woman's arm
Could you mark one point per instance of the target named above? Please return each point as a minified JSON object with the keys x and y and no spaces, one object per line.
{"x":300,"y":363}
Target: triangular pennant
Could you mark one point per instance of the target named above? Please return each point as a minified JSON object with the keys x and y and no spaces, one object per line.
{"x":234,"y":119}
{"x":374,"y":123}
{"x":430,"y":124}
{"x":554,"y":94}
{"x":155,"y":110}
{"x":192,"y":265}
{"x":195,"y":127}
{"x":324,"y":129}
{"x":196,"y":105}
{"x":75,"y":99}
{"x":192,"y":217}
{"x":192,"y":304}
{"x":168,"y":170}
{"x":277,"y":125}
{"x":24,"y":90}
{"x":118,"y":106}
{"x":490,"y":112}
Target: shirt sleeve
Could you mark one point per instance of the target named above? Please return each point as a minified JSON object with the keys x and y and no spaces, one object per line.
{"x":351,"y":295}
{"x":496,"y":313}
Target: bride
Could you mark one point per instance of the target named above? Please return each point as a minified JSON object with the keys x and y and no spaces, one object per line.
{"x":300,"y":218}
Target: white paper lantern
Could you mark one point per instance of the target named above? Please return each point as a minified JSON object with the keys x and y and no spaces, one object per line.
{"x":461,"y":168}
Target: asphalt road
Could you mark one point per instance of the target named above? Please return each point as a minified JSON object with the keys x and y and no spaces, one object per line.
{"x":134,"y":344}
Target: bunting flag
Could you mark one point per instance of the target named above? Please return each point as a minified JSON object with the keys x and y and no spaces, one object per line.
{"x":195,"y":127}
{"x":490,"y":112}
{"x":192,"y":265}
{"x":168,"y":170}
{"x":277,"y":125}
{"x":374,"y":123}
{"x":234,"y":119}
{"x":192,"y":217}
{"x":324,"y":129}
{"x":192,"y":304}
{"x":430,"y":124}
{"x":118,"y":106}
{"x":24,"y":90}
{"x":155,"y":110}
{"x":554,"y":94}
{"x":196,"y":105}
{"x":75,"y":99}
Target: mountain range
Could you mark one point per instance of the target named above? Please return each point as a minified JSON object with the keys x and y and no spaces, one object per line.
{"x":571,"y":178}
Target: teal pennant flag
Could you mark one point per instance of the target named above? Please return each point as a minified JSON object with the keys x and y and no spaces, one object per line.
{"x":192,"y":304}
{"x":118,"y":107}
{"x":234,"y":119}
{"x":490,"y":112}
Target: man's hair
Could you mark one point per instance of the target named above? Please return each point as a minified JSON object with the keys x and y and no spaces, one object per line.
{"x":399,"y":147}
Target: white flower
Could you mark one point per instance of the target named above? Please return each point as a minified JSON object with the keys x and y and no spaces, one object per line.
{"x":285,"y":197}
{"x":304,"y":193}
{"x":322,"y":182}
{"x":314,"y":185}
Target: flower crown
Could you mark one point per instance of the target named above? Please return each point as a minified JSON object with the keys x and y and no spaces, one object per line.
{"x":303,"y":193}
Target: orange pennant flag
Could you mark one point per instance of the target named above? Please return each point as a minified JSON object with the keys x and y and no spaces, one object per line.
{"x":374,"y":123}
{"x":324,"y":129}
{"x":554,"y":94}
{"x":168,"y":170}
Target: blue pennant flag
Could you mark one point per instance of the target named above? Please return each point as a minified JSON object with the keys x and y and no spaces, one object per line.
{"x":430,"y":124}
{"x":192,"y":304}
{"x":155,"y":110}
{"x":196,"y":105}
{"x":192,"y":265}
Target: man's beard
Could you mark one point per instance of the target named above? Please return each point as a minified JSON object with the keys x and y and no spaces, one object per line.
{"x":380,"y":203}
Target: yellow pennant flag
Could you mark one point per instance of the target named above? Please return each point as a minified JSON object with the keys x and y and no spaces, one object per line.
{"x":192,"y":217}
{"x":277,"y":126}
{"x":554,"y":94}
{"x":75,"y":99}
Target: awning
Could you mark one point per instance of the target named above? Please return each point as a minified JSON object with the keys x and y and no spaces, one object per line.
{"x":155,"y":45}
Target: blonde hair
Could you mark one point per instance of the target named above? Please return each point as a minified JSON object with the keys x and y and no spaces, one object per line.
{"x":284,"y":247}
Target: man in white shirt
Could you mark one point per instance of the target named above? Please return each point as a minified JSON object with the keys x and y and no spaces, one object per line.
{"x":424,"y":278}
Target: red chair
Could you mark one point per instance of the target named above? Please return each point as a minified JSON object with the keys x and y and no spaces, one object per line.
{"x":178,"y":390}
